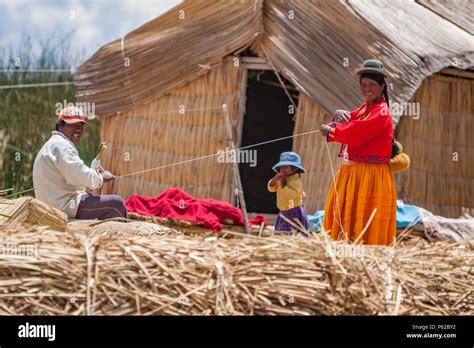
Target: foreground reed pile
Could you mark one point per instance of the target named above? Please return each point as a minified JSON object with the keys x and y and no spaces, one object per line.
{"x":28,"y":210}
{"x":71,"y":273}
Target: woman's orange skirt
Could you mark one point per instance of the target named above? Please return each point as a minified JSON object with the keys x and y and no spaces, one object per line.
{"x":362,"y":188}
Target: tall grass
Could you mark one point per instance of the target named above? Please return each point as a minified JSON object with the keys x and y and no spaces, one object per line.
{"x":27,"y":115}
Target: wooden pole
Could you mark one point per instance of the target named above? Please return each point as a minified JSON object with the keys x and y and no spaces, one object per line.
{"x":102,"y":148}
{"x":240,"y":120}
{"x":236,"y":168}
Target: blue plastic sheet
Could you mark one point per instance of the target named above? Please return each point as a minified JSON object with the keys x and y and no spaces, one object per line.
{"x":406,"y":215}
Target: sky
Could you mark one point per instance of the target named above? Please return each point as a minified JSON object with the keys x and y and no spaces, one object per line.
{"x":92,"y":23}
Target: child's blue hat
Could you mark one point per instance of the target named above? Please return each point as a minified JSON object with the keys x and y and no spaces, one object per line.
{"x":289,"y":159}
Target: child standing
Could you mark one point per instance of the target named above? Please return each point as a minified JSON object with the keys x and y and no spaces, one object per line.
{"x":289,"y":190}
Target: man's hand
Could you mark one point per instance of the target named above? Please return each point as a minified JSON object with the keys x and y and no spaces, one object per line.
{"x":342,"y":116}
{"x":107,"y":176}
{"x":95,"y":165}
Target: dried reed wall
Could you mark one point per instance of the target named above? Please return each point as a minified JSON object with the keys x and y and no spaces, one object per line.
{"x":156,"y":134}
{"x":444,"y":130}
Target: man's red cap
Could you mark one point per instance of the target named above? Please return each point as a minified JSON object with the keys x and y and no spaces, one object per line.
{"x":72,"y":114}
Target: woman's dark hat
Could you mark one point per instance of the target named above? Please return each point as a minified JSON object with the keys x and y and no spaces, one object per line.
{"x":373,"y":66}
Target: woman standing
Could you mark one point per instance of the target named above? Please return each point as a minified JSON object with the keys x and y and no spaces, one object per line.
{"x":363,"y":182}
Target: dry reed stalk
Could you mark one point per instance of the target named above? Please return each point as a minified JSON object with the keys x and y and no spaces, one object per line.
{"x":366,"y":227}
{"x":5,"y":191}
{"x":175,"y":274}
{"x":31,"y":210}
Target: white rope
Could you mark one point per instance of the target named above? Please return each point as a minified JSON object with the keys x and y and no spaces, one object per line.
{"x":173,"y":112}
{"x":341,"y":231}
{"x":341,"y":227}
{"x":242,"y":148}
{"x":215,"y":154}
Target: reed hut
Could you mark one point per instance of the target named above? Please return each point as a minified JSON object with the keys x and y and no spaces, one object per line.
{"x":282,"y":67}
{"x":440,"y":142}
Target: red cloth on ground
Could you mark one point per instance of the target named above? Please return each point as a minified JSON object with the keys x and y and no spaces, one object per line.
{"x":177,"y":204}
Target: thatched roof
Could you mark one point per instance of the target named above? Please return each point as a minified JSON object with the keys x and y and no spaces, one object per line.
{"x":413,"y":40}
{"x":458,"y":12}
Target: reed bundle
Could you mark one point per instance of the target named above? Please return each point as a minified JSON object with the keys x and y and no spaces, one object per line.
{"x":76,"y":274}
{"x":117,"y":227}
{"x":31,"y":210}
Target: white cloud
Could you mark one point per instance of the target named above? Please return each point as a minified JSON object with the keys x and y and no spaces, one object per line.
{"x":95,"y":23}
{"x":149,"y":7}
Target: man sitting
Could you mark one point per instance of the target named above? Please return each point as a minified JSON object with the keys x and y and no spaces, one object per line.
{"x":60,"y":177}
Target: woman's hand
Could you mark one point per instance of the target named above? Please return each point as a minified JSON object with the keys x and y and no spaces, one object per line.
{"x":324,"y":129}
{"x":342,"y":116}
